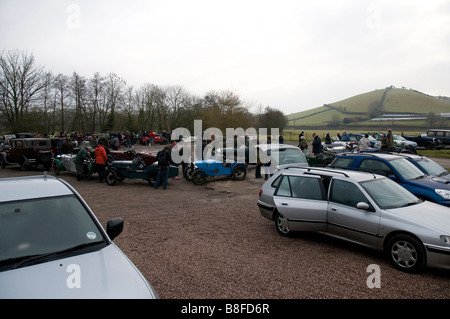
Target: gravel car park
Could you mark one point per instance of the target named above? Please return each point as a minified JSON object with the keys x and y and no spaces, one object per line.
{"x":209,"y":241}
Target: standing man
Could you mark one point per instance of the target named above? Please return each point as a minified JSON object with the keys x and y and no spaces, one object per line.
{"x":100,"y":161}
{"x":82,"y":155}
{"x":163,"y":158}
{"x":317,"y":144}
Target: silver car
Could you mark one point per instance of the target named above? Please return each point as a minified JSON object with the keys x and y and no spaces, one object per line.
{"x":53,"y":246}
{"x":362,"y":208}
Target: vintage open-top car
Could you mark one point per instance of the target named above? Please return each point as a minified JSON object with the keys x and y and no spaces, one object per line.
{"x":135,"y":169}
{"x":200,"y":170}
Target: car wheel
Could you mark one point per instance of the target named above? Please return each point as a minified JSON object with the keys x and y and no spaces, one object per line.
{"x":111,"y":177}
{"x":151,"y":178}
{"x":23,"y":164}
{"x":187,"y":173}
{"x":281,"y":223}
{"x":239,"y":173}
{"x":406,"y":253}
{"x":56,"y":168}
{"x":199,"y":177}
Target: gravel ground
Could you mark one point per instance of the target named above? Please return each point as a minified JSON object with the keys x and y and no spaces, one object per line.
{"x":210,"y":242}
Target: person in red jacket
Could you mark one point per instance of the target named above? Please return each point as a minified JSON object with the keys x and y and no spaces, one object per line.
{"x":100,"y":161}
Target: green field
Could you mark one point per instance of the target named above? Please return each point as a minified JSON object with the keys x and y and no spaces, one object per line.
{"x":354,"y":111}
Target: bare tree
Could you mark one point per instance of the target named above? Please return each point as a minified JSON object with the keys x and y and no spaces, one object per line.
{"x":21,"y":84}
{"x":115,"y":87}
{"x":61,"y":85}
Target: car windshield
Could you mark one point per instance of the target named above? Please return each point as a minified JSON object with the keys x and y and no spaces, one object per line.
{"x":407,"y":169}
{"x":388,"y":194}
{"x":44,"y":226}
{"x":289,"y":156}
{"x":432,"y":168}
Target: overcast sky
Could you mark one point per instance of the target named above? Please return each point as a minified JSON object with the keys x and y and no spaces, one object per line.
{"x":291,"y":55}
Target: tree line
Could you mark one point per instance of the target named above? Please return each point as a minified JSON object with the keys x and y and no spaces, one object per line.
{"x":33,"y":99}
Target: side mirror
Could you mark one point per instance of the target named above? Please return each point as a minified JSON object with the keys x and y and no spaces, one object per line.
{"x":363,"y":205}
{"x":114,"y":227}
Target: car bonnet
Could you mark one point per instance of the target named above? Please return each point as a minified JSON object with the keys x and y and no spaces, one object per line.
{"x":426,"y":214}
{"x":103,"y":274}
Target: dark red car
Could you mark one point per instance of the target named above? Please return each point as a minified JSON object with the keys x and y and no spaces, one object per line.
{"x":128,"y":155}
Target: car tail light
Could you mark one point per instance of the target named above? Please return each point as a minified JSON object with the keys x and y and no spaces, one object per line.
{"x":260,"y":192}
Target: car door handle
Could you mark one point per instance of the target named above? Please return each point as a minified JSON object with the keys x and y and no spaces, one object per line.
{"x":334,"y":209}
{"x":284,"y":204}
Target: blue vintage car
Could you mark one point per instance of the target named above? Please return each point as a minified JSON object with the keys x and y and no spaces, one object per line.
{"x":135,"y":169}
{"x":200,"y":170}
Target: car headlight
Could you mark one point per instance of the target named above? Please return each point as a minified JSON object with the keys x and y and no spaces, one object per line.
{"x":445,"y":239}
{"x":443,"y":193}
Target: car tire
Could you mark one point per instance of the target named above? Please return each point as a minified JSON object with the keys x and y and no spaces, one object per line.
{"x":406,"y":253}
{"x":2,"y":161}
{"x":56,"y":168}
{"x":239,"y":173}
{"x":187,"y":173}
{"x":199,"y":177}
{"x":110,"y":177}
{"x":23,"y":163}
{"x":152,"y":176}
{"x":282,"y":225}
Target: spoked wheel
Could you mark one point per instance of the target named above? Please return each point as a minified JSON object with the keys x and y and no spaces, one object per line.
{"x":187,"y":173}
{"x":111,"y":177}
{"x":406,"y":253}
{"x":199,"y":177}
{"x":281,"y":223}
{"x":239,"y":173}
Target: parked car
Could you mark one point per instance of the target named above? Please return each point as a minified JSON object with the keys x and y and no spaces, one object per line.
{"x":441,"y":135}
{"x":430,"y":167}
{"x":366,"y":209}
{"x":279,"y":154}
{"x":423,"y":140}
{"x":399,"y":169}
{"x":322,"y":159}
{"x":404,"y":142}
{"x":64,"y":162}
{"x":129,"y":155}
{"x":53,"y":246}
{"x":27,"y":152}
{"x":201,"y":170}
{"x":117,"y":171}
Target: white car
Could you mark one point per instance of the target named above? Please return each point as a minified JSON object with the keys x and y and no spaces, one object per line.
{"x":52,"y":246}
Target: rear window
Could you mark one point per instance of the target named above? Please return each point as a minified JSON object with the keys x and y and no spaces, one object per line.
{"x":342,"y":162}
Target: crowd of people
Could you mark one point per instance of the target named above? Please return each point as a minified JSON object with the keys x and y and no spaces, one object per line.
{"x":364,"y":144}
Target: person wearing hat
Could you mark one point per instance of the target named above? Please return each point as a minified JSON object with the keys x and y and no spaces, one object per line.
{"x":100,"y":161}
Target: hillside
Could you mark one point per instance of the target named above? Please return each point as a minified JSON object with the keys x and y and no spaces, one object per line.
{"x":364,"y":109}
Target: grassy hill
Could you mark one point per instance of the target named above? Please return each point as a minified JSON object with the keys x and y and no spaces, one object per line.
{"x":359,"y":110}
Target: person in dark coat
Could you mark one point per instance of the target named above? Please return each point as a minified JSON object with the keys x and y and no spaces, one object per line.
{"x":317,"y":144}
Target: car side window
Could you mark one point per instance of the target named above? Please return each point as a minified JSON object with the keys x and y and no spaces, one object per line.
{"x":306,"y":187}
{"x":375,"y":166}
{"x":346,"y":193}
{"x":284,"y":188}
{"x":301,"y":187}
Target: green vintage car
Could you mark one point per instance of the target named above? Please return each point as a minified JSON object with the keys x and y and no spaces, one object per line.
{"x":321,"y":160}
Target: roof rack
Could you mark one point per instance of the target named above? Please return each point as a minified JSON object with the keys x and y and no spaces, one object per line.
{"x":309,"y":169}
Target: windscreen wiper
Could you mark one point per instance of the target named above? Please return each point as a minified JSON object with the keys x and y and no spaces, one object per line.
{"x":27,"y":260}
